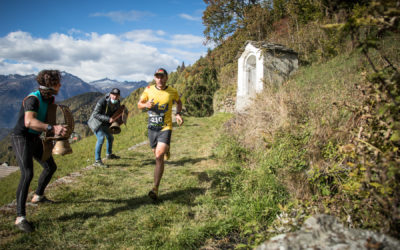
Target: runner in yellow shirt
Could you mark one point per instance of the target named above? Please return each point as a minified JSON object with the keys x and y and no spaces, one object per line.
{"x":158,"y":99}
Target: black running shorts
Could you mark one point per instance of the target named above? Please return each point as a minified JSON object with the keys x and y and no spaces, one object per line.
{"x":159,"y":136}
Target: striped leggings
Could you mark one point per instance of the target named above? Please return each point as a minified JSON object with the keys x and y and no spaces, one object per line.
{"x":26,"y":148}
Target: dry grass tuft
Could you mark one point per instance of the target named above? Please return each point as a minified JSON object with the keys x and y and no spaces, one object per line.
{"x":268,"y":113}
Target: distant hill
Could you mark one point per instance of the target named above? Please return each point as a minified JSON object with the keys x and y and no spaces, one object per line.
{"x":81,"y":107}
{"x":105,"y":85}
{"x":14,"y":88}
{"x":131,"y":101}
{"x":73,"y":86}
{"x":4,"y":132}
{"x":6,"y":153}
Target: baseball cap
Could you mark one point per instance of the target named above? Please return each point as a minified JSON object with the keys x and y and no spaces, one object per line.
{"x":161,"y":71}
{"x":115,"y":91}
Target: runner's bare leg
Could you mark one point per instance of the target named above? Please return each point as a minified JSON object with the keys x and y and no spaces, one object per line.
{"x":159,"y":152}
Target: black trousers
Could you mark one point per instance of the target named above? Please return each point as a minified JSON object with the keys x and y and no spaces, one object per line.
{"x":26,"y":148}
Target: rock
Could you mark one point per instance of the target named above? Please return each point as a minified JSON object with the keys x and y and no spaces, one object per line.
{"x":326,"y":232}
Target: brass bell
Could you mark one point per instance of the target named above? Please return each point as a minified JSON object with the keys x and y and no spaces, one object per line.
{"x":62,"y":147}
{"x":120,"y":117}
{"x":115,"y":128}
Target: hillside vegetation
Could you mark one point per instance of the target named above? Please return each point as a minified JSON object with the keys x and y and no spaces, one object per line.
{"x":225,"y":184}
{"x":331,"y":134}
{"x":326,"y":141}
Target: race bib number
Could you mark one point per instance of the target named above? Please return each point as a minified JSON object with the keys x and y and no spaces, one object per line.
{"x":156,"y":120}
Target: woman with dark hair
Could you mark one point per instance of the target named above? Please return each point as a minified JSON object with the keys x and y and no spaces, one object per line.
{"x":27,"y":144}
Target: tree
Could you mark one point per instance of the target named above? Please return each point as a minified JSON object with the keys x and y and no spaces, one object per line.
{"x":257,"y":22}
{"x":223,"y":17}
{"x":199,"y":92}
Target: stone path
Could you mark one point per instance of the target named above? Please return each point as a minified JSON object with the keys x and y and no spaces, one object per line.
{"x":5,"y":171}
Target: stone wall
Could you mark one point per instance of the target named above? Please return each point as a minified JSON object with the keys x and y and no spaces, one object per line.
{"x":278,"y":67}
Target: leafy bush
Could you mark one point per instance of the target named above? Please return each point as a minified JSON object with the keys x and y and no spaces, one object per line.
{"x":365,"y":173}
{"x":199,"y":93}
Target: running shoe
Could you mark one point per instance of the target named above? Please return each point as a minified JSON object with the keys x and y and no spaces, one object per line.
{"x":40,"y":199}
{"x":153,"y":194}
{"x":25,"y":226}
{"x":112,"y":156}
{"x":100,"y":164}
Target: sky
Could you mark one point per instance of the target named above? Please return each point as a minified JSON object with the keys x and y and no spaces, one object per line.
{"x":125,"y":40}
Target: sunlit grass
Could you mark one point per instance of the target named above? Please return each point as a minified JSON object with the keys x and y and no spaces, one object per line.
{"x":83,"y":155}
{"x":109,"y":208}
{"x":215,"y":192}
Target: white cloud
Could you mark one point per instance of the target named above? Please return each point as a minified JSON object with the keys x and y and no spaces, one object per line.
{"x":185,"y":55}
{"x":145,"y":36}
{"x":12,"y":68}
{"x":189,"y":17}
{"x":94,"y":56}
{"x":187,"y":40}
{"x":123,"y":16}
{"x":78,"y":33}
{"x":27,"y":48}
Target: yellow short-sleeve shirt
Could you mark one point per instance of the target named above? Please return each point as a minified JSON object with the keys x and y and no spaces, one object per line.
{"x":161,"y":113}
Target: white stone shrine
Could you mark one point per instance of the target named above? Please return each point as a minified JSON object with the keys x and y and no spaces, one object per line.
{"x":259,"y":63}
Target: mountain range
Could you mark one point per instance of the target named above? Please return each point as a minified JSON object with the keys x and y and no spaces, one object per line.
{"x":105,"y":85}
{"x":81,"y":107}
{"x":14,"y":88}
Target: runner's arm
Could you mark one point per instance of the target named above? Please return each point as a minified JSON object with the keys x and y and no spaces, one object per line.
{"x":143,"y":103}
{"x":178,"y":115}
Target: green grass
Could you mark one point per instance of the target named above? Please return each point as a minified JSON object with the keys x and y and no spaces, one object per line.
{"x":109,"y":208}
{"x":216,"y":193}
{"x":83,"y":155}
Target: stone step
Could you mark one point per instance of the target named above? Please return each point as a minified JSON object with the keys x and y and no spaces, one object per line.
{"x":7,"y":170}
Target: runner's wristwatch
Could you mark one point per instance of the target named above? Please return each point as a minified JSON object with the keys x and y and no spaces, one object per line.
{"x":49,"y":128}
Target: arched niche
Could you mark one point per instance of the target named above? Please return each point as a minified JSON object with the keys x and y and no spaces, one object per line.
{"x":251,"y":75}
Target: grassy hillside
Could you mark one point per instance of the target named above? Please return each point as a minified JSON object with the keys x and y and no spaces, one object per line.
{"x":83,"y":155}
{"x":227,"y":181}
{"x":331,"y":133}
{"x":228,"y":178}
{"x":326,"y":141}
{"x":325,"y":135}
{"x":109,"y":208}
